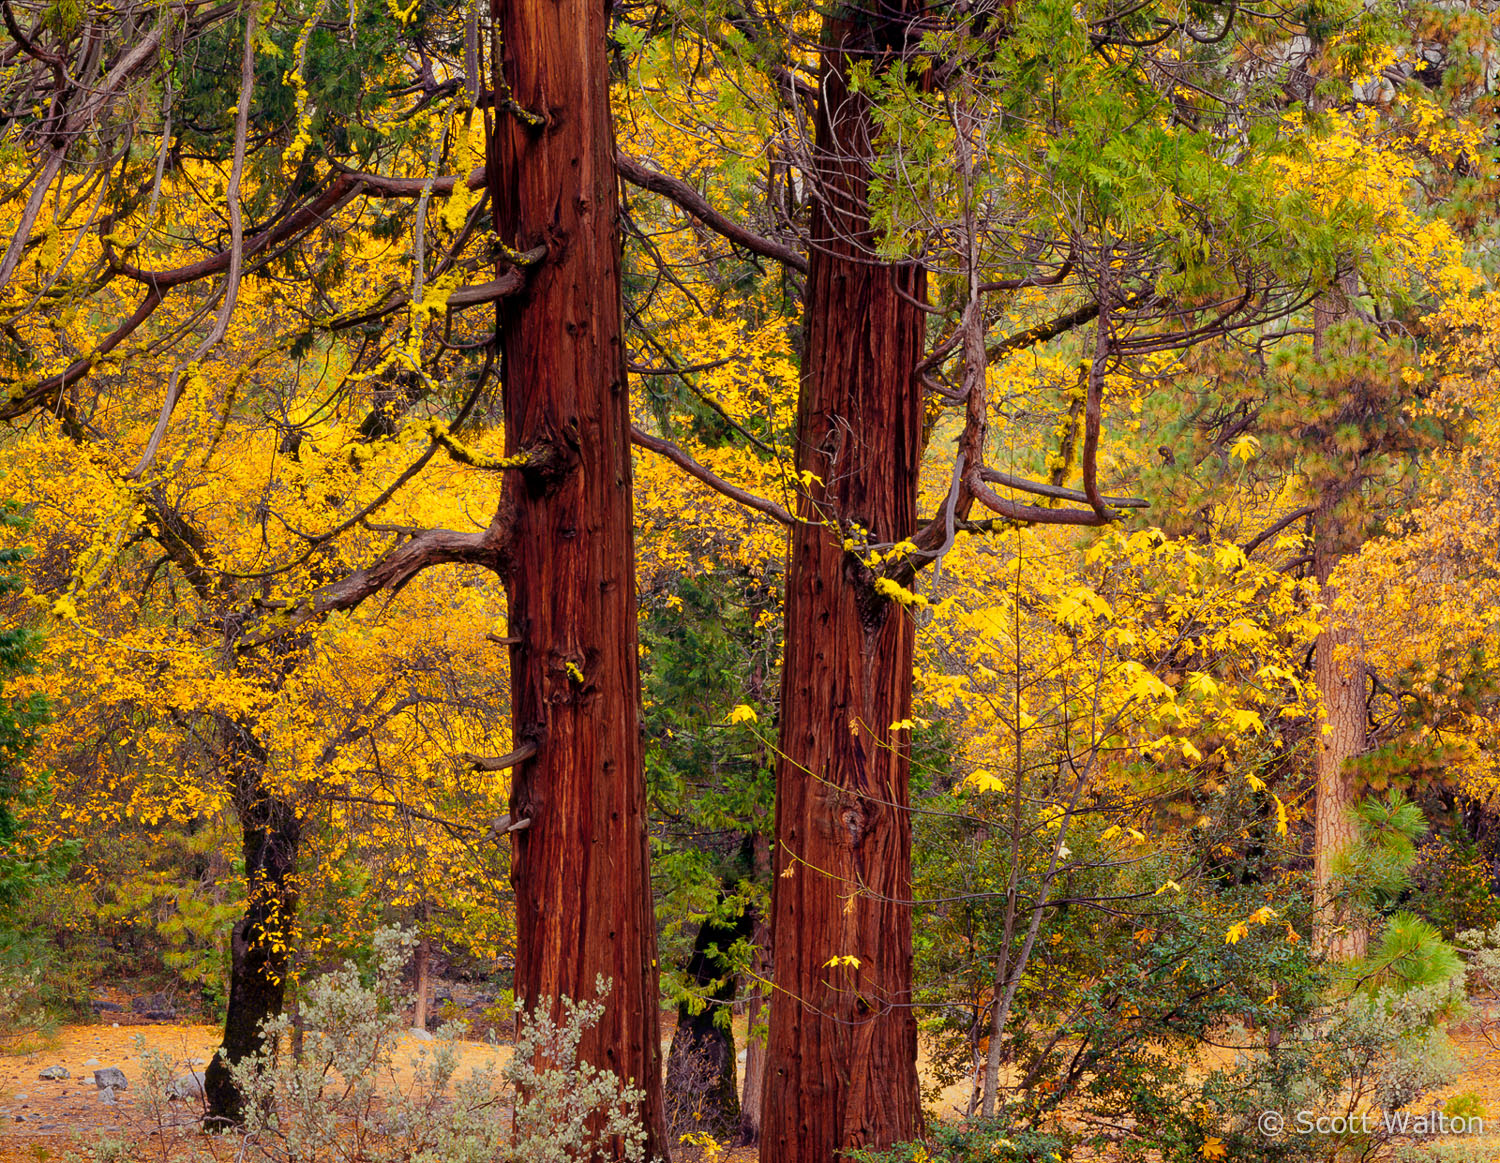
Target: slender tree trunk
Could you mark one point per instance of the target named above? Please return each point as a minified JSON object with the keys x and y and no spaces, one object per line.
{"x":422,"y":972}
{"x":702,"y":1087}
{"x":752,"y":1097}
{"x":580,"y":869}
{"x":843,"y":1037}
{"x":259,"y":943}
{"x":753,"y":1092}
{"x":1339,"y":668}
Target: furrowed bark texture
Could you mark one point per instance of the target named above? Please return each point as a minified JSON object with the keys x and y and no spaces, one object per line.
{"x":842,"y":1047}
{"x":580,"y":870}
{"x":1339,"y":669}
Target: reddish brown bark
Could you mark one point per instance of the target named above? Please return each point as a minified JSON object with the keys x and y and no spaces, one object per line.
{"x":580,"y":869}
{"x":1339,"y":668}
{"x":842,"y":1047}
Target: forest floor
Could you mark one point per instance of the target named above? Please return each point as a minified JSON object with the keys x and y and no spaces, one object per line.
{"x":50,"y":1120}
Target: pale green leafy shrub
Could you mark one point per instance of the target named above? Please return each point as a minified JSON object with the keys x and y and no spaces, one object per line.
{"x":346,"y":1097}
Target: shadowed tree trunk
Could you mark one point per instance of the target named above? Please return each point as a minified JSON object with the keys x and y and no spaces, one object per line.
{"x":580,"y":868}
{"x":753,"y":1094}
{"x":260,"y":943}
{"x":752,"y":1097}
{"x":843,"y":1038}
{"x":702,"y":1088}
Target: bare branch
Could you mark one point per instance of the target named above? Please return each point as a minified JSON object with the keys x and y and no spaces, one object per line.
{"x":236,"y":249}
{"x":712,"y":480}
{"x":391,"y":574}
{"x":678,"y":192}
{"x":1022,"y":485}
{"x":1266,"y":534}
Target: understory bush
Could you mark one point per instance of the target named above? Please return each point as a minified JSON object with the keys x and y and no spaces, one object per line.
{"x":346,"y":1095}
{"x":352,"y":1094}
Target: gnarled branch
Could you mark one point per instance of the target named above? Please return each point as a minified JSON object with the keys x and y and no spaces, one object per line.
{"x":390,"y":575}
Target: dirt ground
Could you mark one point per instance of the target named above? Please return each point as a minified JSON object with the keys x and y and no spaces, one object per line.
{"x":47,"y":1120}
{"x":41,"y":1120}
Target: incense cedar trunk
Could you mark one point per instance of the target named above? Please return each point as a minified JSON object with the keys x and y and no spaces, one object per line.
{"x":842,"y":1042}
{"x":580,"y":869}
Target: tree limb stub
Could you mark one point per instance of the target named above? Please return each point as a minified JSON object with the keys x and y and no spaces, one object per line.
{"x":501,"y":762}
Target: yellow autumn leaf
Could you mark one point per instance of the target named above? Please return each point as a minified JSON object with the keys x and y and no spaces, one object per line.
{"x":1245,"y":449}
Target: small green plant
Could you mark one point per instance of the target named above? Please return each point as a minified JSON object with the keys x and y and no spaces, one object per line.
{"x":1465,"y":1105}
{"x":980,"y":1141}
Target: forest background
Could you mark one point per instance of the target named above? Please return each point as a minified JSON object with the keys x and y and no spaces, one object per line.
{"x":970,"y":526}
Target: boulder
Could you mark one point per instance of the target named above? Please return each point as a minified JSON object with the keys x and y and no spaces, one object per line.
{"x":188,"y":1087}
{"x":54,"y":1074}
{"x":111,"y":1078}
{"x":420,"y":1035}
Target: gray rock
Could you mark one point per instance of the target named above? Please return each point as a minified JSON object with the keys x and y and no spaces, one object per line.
{"x":420,"y":1035}
{"x":22,"y":1097}
{"x":54,"y":1074}
{"x":189,"y":1086}
{"x":100,"y":1006}
{"x":91,"y":1063}
{"x":107,"y":1096}
{"x":111,"y":1078}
